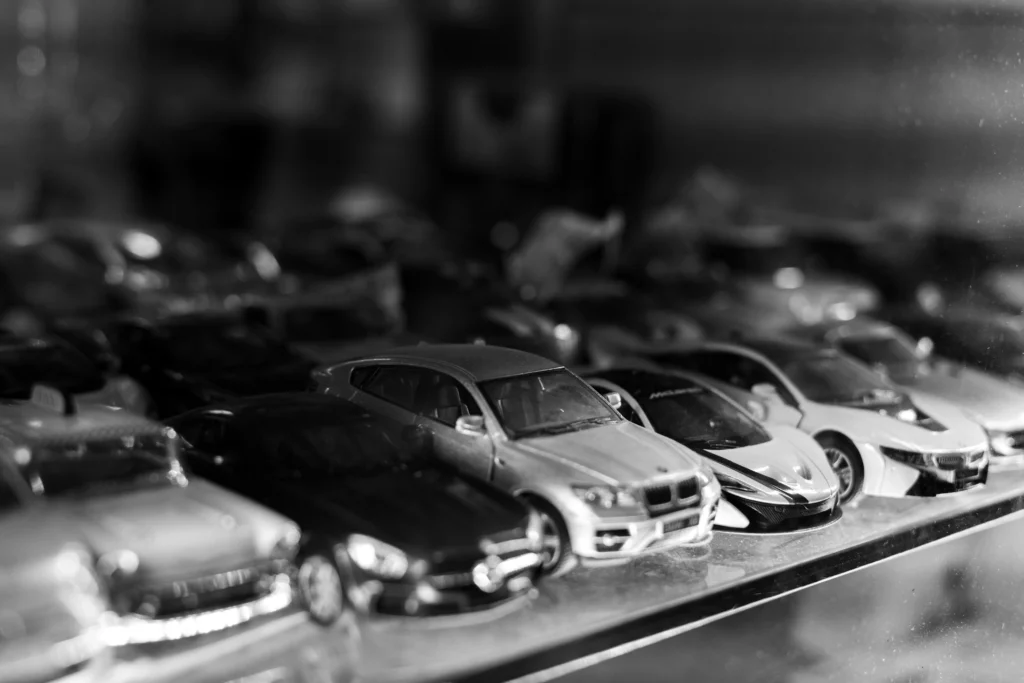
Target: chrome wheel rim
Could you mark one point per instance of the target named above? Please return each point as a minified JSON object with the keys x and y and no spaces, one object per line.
{"x":843,"y":467}
{"x":552,"y":542}
{"x":321,"y":588}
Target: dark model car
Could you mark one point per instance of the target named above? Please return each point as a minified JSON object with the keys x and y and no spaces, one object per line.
{"x":984,"y":339}
{"x":384,"y":522}
{"x":190,"y":360}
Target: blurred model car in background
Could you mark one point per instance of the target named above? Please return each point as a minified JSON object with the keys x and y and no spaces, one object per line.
{"x":185,"y":361}
{"x":877,"y":439}
{"x":764,"y":267}
{"x":84,"y":267}
{"x":990,"y":341}
{"x":177,"y":556}
{"x":50,"y":360}
{"x":54,"y":604}
{"x":997,"y":405}
{"x":391,"y":527}
{"x":773,"y":478}
{"x":606,"y":489}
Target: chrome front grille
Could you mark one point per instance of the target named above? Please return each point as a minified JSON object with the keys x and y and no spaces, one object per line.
{"x":213,"y":591}
{"x":956,"y":461}
{"x":665,"y":496}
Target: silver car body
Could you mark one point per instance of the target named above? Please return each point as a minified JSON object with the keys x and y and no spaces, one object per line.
{"x":620,"y":454}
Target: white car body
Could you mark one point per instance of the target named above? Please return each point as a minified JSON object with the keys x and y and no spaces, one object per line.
{"x":961,"y":444}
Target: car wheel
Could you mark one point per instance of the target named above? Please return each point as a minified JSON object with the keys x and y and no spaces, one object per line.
{"x":321,"y":590}
{"x":846,"y":463}
{"x":557,"y":547}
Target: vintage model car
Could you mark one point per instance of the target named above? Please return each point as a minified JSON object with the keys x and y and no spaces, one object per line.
{"x":877,"y":439}
{"x":397,"y":530}
{"x":989,"y":341}
{"x":189,"y":360}
{"x":51,"y":360}
{"x":995,"y":404}
{"x":176,"y":556}
{"x":53,"y":603}
{"x":606,"y":489}
{"x":773,"y":478}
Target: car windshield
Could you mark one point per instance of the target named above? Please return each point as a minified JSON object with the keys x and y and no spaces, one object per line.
{"x":223,"y":344}
{"x":832,"y":378}
{"x":98,"y":466}
{"x":990,"y":340}
{"x":885,"y":350}
{"x":698,"y":417}
{"x":320,"y":443}
{"x":63,"y":368}
{"x":551,"y":402}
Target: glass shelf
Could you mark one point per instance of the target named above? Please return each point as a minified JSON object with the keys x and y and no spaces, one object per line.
{"x":593,"y":614}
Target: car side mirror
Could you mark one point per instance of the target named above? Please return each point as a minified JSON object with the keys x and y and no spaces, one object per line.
{"x":766,"y":392}
{"x":614,"y":399}
{"x":471,"y":425}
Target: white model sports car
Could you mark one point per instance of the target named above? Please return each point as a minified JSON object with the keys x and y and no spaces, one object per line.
{"x":877,"y":439}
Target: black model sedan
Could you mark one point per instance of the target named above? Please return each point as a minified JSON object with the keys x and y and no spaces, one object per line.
{"x":383,"y":521}
{"x":186,"y":361}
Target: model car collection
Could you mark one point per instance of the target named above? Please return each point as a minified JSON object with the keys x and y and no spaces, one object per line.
{"x":357,"y":433}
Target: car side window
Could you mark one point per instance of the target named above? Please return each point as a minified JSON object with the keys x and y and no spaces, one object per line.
{"x":443,"y":398}
{"x":206,"y":434}
{"x":394,"y":384}
{"x":740,"y":371}
{"x":8,"y":496}
{"x":626,"y":410}
{"x":360,"y":375}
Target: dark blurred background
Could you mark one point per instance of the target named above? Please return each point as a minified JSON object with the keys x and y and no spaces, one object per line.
{"x":229,"y":115}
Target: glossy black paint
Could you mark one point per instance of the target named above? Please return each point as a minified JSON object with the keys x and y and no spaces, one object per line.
{"x":406,"y":498}
{"x":182,"y":374}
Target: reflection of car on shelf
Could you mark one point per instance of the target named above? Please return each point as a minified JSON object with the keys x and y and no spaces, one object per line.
{"x":176,"y":556}
{"x":53,"y":603}
{"x":606,"y":488}
{"x":773,"y":478}
{"x":877,"y":439}
{"x":995,"y":404}
{"x":383,"y":522}
{"x":188,"y":360}
{"x":993,"y":342}
{"x":50,"y":360}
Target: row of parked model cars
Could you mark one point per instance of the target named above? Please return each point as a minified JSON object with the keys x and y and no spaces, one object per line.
{"x":307,"y":454}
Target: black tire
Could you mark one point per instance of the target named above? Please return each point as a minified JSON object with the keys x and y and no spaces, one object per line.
{"x":321,"y":589}
{"x":557,"y":543}
{"x":846,"y":463}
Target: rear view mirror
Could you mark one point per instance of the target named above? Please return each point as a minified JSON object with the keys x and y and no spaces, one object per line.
{"x":614,"y":399}
{"x":471,"y":425}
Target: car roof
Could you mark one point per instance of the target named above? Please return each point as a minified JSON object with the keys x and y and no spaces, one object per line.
{"x":31,"y":424}
{"x":481,"y":361}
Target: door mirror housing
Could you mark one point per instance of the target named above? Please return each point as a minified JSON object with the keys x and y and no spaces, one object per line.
{"x":925,"y":347}
{"x":614,"y":399}
{"x":766,"y":392}
{"x":471,"y":425}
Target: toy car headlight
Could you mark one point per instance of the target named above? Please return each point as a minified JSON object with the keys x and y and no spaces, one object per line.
{"x":605,"y":497}
{"x":906,"y":457}
{"x":288,"y":545}
{"x":377,"y":557}
{"x":1002,"y":443}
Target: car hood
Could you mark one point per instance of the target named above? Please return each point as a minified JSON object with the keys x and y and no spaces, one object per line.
{"x":867,"y":426}
{"x":174,"y":531}
{"x":619,"y":453}
{"x":425,"y":511}
{"x":994,"y":403}
{"x":780,"y":465}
